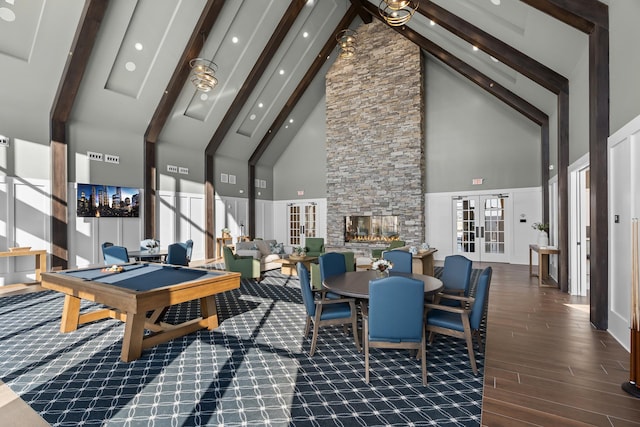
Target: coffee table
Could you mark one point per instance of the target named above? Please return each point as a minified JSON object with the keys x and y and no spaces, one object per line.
{"x":289,"y":264}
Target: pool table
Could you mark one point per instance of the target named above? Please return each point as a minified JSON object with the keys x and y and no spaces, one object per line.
{"x":128,"y":295}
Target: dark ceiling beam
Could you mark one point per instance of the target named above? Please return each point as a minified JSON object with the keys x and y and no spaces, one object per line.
{"x":362,"y":12}
{"x":583,"y":15}
{"x":288,"y":107}
{"x":500,"y":50}
{"x":289,"y":17}
{"x":208,"y":18}
{"x":79,"y":54}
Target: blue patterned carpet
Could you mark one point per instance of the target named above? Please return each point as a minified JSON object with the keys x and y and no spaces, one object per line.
{"x":253,"y":370}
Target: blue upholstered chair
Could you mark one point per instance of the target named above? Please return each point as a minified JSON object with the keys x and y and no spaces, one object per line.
{"x":323,"y":312}
{"x":465,"y":321}
{"x":314,"y":246}
{"x":331,"y":264}
{"x":114,"y":254}
{"x":456,"y":278}
{"x":177,"y":254}
{"x":395,"y":318}
{"x":402,"y":260}
{"x":189,"y":248}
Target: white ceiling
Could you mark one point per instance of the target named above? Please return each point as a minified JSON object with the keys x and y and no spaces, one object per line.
{"x":124,"y":82}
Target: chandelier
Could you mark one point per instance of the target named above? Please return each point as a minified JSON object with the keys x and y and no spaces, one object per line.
{"x":347,"y":43}
{"x":203,"y":74}
{"x":397,"y":12}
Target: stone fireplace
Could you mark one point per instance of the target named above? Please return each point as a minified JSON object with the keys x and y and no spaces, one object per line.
{"x":375,"y":135}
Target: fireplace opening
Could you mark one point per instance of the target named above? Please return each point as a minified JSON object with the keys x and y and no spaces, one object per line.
{"x":376,"y":228}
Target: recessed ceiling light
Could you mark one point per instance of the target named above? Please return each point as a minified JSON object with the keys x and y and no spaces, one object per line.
{"x":260,"y":105}
{"x":138,"y":46}
{"x":252,"y":117}
{"x":475,"y":48}
{"x":496,"y":2}
{"x":130,"y":66}
{"x":282,"y":72}
{"x":234,"y":39}
{"x":286,"y":127}
{"x":7,"y":14}
{"x":493,"y":59}
{"x":432,"y":22}
{"x":305,"y":34}
{"x":204,"y":97}
{"x":290,"y":120}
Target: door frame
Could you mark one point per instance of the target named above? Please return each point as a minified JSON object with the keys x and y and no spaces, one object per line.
{"x":577,"y":275}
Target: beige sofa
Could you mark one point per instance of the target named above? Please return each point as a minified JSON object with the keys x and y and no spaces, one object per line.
{"x":263,"y":250}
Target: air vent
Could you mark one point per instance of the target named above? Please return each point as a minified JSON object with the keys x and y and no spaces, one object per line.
{"x":4,"y":141}
{"x":110,"y":158}
{"x":94,"y":156}
{"x":172,"y":169}
{"x":184,"y":171}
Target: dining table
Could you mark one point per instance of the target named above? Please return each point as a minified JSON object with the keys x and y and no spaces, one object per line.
{"x":355,"y":284}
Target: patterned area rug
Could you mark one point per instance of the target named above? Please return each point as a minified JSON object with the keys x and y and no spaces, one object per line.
{"x":254,"y":369}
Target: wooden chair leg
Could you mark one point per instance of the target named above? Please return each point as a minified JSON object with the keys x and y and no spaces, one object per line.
{"x":423,"y":354}
{"x":307,"y":326}
{"x":354,"y":326}
{"x":469,"y":340}
{"x":365,"y":340}
{"x":314,"y":340}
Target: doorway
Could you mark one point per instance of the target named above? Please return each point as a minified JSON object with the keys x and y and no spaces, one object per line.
{"x":303,"y":222}
{"x":481,"y":232}
{"x":580,"y":232}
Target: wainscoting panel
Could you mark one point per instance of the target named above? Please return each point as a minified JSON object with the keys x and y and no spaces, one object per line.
{"x":180,"y":218}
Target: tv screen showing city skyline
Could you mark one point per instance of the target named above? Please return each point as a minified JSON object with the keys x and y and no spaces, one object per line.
{"x":99,"y":201}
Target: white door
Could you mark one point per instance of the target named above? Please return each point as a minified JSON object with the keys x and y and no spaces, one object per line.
{"x":480,"y":228}
{"x":303,"y":222}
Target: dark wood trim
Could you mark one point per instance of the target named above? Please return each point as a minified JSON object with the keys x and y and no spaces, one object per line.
{"x":583,"y":15}
{"x":289,"y":17}
{"x":208,"y":18}
{"x":364,"y":14}
{"x":563,"y":190}
{"x":500,"y":50}
{"x":252,"y":201}
{"x":598,"y":155}
{"x":210,"y":203}
{"x":79,"y":54}
{"x":544,"y":170}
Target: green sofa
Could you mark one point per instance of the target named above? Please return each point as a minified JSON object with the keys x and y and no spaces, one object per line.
{"x":377,"y":253}
{"x":247,"y":266}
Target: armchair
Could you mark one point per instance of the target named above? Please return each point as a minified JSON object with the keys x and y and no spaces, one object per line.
{"x":247,"y":266}
{"x":395,"y":318}
{"x":377,"y":253}
{"x":314,"y":246}
{"x":462,"y":322}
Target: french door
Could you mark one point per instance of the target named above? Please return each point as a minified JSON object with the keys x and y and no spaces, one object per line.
{"x":303,"y":220}
{"x":480,"y":233}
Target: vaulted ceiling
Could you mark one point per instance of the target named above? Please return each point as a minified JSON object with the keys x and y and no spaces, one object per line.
{"x":136,"y":78}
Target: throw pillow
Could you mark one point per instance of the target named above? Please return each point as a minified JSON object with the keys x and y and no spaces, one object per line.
{"x":276,"y":248}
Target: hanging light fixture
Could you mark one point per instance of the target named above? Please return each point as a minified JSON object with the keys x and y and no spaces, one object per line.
{"x":203,"y":74}
{"x":347,"y":43}
{"x":397,"y":12}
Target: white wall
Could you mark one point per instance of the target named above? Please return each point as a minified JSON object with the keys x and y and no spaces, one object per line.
{"x":522,"y":201}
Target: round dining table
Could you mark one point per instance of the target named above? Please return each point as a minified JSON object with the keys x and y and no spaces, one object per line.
{"x":355,"y":284}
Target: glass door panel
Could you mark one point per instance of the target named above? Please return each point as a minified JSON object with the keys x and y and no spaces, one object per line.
{"x":480,"y":232}
{"x":295,"y":225}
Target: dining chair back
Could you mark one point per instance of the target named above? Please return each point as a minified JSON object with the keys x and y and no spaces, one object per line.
{"x":177,"y":254}
{"x":463,"y":321}
{"x":402,"y":260}
{"x":456,"y":278}
{"x":331,"y":264}
{"x":323,"y":312}
{"x":114,"y":254}
{"x":395,"y":318}
{"x":189,"y":248}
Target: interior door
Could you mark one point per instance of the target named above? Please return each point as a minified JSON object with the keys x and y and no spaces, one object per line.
{"x":480,"y":227}
{"x":303,"y":222}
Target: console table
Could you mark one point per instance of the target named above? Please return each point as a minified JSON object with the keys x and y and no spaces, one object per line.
{"x":41,"y":260}
{"x":543,"y":261}
{"x":223,"y":241}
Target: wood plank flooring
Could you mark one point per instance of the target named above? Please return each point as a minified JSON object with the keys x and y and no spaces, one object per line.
{"x":544,"y":364}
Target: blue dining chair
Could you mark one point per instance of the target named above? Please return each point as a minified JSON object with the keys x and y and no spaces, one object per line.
{"x":395,"y":318}
{"x":177,"y":254}
{"x":331,"y":264}
{"x":456,"y":278}
{"x":465,"y":321}
{"x":189,"y":248}
{"x":402,"y":260}
{"x":114,"y":254}
{"x":324,"y":312}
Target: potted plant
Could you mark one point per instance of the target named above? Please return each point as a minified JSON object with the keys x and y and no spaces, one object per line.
{"x":298,"y":251}
{"x":543,"y":229}
{"x":152,"y":245}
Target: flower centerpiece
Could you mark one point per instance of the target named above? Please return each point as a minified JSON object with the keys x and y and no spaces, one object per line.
{"x":226,"y":233}
{"x":152,"y":245}
{"x":382,"y":267}
{"x":543,"y":229}
{"x":298,"y":252}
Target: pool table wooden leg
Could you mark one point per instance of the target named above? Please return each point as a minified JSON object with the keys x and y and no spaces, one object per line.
{"x":209,"y":311}
{"x":133,"y":335}
{"x":70,"y":314}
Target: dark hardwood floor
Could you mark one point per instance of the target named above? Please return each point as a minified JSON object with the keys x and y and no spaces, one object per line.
{"x":544,"y":366}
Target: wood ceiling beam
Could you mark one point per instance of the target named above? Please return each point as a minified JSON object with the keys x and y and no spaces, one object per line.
{"x":208,"y":18}
{"x":364,"y":14}
{"x":289,"y":17}
{"x":495,"y":47}
{"x":74,"y":69}
{"x":583,"y":15}
{"x":288,"y":107}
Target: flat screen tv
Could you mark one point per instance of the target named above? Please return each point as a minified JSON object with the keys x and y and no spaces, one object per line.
{"x":95,"y":200}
